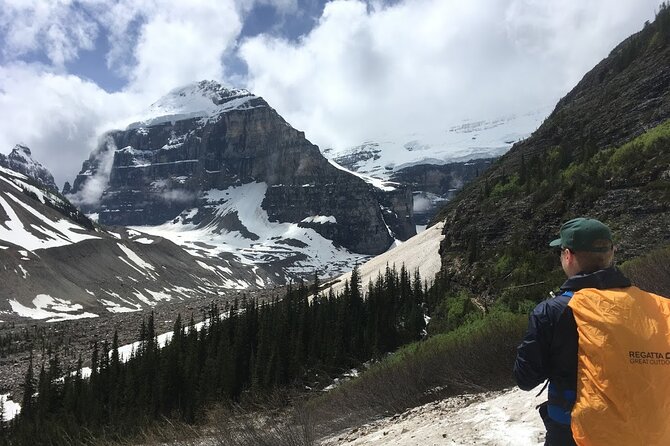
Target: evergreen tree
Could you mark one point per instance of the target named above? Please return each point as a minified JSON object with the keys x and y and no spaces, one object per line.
{"x":28,"y":390}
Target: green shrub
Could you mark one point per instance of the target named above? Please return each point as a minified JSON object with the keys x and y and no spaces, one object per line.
{"x":509,"y":188}
{"x":651,"y":272}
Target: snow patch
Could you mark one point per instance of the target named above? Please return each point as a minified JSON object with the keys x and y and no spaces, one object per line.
{"x":272,"y":241}
{"x":23,"y":271}
{"x":51,"y":308}
{"x":376,"y":182}
{"x":135,"y":258}
{"x":114,"y":307}
{"x":504,"y":418}
{"x":321,"y":219}
{"x":51,"y":235}
{"x":10,"y":408}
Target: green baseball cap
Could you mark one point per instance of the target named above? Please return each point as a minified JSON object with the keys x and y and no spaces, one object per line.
{"x":584,"y":234}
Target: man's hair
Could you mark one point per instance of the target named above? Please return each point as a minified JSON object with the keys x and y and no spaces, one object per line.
{"x":590,"y":262}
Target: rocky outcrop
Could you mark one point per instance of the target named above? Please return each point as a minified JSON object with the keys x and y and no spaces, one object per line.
{"x":20,"y":160}
{"x":163,"y":165}
{"x":433,"y":185}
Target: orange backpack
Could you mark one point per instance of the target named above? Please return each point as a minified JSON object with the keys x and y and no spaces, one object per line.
{"x":623,"y":371}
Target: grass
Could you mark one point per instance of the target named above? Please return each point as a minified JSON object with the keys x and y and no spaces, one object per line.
{"x":475,"y":357}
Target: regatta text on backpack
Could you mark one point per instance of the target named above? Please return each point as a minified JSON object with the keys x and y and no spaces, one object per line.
{"x":623,"y":372}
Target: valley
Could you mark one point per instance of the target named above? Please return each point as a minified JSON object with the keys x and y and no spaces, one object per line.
{"x":363,"y":294}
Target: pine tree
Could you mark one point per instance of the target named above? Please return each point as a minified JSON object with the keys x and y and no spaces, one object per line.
{"x":28,"y":391}
{"x":2,"y":421}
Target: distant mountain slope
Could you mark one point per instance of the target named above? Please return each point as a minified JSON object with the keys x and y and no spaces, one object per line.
{"x":581,"y":161}
{"x":435,"y":166}
{"x":459,"y":142}
{"x":55,"y":264}
{"x":206,"y":161}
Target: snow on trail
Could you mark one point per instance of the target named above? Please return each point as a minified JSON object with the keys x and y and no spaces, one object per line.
{"x":504,"y":418}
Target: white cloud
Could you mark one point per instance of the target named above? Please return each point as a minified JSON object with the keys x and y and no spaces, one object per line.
{"x":58,"y":116}
{"x":155,"y":44}
{"x":184,"y":42}
{"x":93,"y":188}
{"x":366,"y":70}
{"x":57,"y":28}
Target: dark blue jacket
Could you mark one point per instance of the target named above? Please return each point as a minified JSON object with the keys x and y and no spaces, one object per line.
{"x":549,"y":349}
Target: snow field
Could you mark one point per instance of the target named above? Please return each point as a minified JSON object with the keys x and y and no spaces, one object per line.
{"x":245,"y":201}
{"x":48,"y":235}
{"x":51,"y":308}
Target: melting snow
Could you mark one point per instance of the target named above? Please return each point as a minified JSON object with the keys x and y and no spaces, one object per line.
{"x":499,"y":419}
{"x":23,"y":271}
{"x":113,"y":307}
{"x":51,"y":308}
{"x":135,"y":258}
{"x":376,"y":182}
{"x":10,"y":408}
{"x":53,"y":234}
{"x":245,"y":201}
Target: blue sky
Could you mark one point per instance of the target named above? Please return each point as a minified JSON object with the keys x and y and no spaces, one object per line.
{"x":344,"y":71}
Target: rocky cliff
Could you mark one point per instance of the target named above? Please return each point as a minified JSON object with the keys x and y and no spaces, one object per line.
{"x":20,"y":160}
{"x":433,"y":185}
{"x":603,"y":152}
{"x":205,"y":137}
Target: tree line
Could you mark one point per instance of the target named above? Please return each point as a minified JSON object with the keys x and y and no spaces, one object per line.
{"x":247,"y":348}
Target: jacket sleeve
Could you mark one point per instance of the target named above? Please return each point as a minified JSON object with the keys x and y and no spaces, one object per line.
{"x":532,"y":358}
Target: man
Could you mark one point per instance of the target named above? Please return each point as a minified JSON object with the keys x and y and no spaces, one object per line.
{"x":549,"y":350}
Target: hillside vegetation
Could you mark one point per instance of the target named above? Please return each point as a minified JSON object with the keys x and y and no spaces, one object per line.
{"x":604,"y":152}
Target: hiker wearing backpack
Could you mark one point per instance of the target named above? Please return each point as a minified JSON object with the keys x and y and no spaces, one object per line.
{"x":602,"y":345}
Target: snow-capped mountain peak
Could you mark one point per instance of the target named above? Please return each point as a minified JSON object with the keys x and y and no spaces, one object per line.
{"x":22,"y":152}
{"x":461,"y":141}
{"x":195,"y":100}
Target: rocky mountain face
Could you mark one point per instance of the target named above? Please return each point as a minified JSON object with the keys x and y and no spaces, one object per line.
{"x":433,"y":185}
{"x":56,"y":264}
{"x":208,"y":165}
{"x":603,"y":152}
{"x":20,"y":160}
